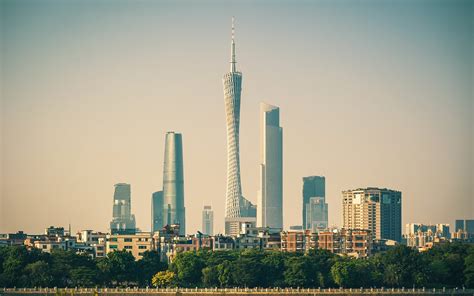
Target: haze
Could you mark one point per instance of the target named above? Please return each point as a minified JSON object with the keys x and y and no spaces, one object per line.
{"x":372,"y":93}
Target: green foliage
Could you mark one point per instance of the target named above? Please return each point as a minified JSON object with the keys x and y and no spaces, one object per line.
{"x":188,"y":267}
{"x":148,"y":266}
{"x":118,"y":268}
{"x":449,"y":265}
{"x":163,"y":279}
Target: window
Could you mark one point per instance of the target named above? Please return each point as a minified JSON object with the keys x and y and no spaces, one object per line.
{"x":127,"y":240}
{"x":128,"y":247}
{"x":113,"y":239}
{"x":142,"y":247}
{"x":113,"y":246}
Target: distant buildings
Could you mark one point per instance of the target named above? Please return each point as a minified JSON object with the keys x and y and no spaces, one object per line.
{"x":419,"y":235}
{"x":315,"y":212}
{"x":123,"y":222}
{"x":238,"y":209}
{"x":464,"y":230}
{"x":207,"y":221}
{"x":156,"y":211}
{"x":270,"y":195}
{"x":173,"y":182}
{"x":374,"y":209}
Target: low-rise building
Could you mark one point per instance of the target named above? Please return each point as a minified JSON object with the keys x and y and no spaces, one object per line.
{"x":136,"y":244}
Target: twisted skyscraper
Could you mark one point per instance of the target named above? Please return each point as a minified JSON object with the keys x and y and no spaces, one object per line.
{"x":238,"y":209}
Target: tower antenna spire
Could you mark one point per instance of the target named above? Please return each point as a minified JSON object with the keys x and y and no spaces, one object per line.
{"x":232,"y":53}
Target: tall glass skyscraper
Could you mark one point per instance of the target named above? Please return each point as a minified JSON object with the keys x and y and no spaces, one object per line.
{"x":270,"y":195}
{"x":313,"y":186}
{"x":208,"y":220}
{"x":173,"y":182}
{"x":123,"y":222}
{"x":237,"y":207}
{"x":157,"y":211}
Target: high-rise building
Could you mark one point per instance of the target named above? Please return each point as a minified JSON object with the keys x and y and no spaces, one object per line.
{"x":173,"y":182}
{"x":238,"y":210}
{"x":157,"y":211}
{"x":374,"y":209}
{"x":208,"y":220}
{"x":469,"y":224}
{"x":459,"y":225}
{"x":270,"y":195}
{"x":313,"y":186}
{"x":316,"y":214}
{"x":123,"y":222}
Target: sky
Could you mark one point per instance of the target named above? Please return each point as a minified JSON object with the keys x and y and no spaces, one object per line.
{"x":371,"y":93}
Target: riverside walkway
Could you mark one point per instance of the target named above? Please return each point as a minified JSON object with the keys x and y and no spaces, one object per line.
{"x":233,"y":291}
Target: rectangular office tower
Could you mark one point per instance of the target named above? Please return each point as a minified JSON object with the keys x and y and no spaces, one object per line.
{"x":374,"y":209}
{"x":123,"y":222}
{"x":270,"y":195}
{"x":315,"y":208}
{"x":157,"y":211}
{"x":173,"y":182}
{"x":316,"y":214}
{"x":208,"y":220}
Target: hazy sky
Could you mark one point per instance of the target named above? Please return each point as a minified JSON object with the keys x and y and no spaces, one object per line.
{"x":372,"y":93}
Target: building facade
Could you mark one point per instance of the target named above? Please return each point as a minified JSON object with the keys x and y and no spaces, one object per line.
{"x":270,"y":195}
{"x":157,"y":211}
{"x":377,"y":210}
{"x":136,"y":244}
{"x":237,"y":207}
{"x":208,"y":220}
{"x":123,"y":222}
{"x":173,"y":182}
{"x":313,"y":186}
{"x":316,"y":214}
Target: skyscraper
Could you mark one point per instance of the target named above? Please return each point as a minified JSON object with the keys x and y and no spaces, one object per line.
{"x":238,"y":210}
{"x":208,"y":220}
{"x":374,"y":209}
{"x":459,"y":225}
{"x":313,"y":186}
{"x":270,"y":195}
{"x":157,"y":211}
{"x":173,"y":182}
{"x":123,"y":222}
{"x":316,"y":214}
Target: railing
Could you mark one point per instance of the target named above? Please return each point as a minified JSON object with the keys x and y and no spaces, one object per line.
{"x":304,"y":291}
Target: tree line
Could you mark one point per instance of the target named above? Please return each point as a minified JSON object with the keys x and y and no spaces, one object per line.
{"x":448,"y":265}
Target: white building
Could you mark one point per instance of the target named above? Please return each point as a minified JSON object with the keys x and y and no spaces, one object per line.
{"x":270,"y":195}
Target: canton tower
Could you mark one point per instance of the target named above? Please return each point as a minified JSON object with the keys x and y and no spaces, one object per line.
{"x":237,"y":207}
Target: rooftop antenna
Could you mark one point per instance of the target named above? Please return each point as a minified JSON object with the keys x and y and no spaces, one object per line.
{"x":232,"y":61}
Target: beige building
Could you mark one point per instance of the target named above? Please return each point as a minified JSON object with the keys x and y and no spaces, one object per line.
{"x":377,"y":210}
{"x":136,"y":244}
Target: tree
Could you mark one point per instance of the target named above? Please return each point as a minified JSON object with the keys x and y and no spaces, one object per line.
{"x":469,"y":269}
{"x":274,"y":266}
{"x":298,"y":272}
{"x":353,"y":273}
{"x":38,"y":274}
{"x":118,"y":268}
{"x":163,"y":279}
{"x":188,"y":268}
{"x":148,"y":266}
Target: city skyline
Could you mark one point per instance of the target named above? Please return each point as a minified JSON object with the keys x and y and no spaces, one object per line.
{"x":375,"y":104}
